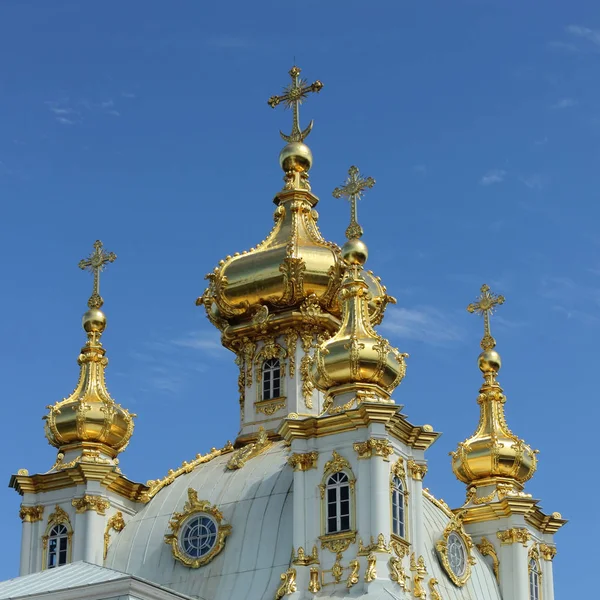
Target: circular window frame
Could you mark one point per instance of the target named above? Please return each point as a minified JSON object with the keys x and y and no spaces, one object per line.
{"x":453,"y":537}
{"x":193,"y":509}
{"x":453,"y":530}
{"x":187,"y":524}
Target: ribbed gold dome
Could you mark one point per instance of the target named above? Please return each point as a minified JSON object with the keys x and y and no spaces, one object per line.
{"x":356,"y":354}
{"x":89,"y":419}
{"x":493,"y":455}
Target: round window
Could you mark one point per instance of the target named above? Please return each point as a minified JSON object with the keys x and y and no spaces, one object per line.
{"x":198,"y":536}
{"x":457,"y":554}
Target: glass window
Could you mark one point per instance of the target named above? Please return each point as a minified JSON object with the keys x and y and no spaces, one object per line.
{"x":337,"y":498}
{"x":271,"y":378}
{"x":457,"y":555}
{"x":58,"y":545}
{"x":534,"y":580}
{"x":398,"y":497}
{"x":199,"y":536}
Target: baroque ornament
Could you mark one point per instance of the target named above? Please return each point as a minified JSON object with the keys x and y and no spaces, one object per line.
{"x":374,"y":447}
{"x":419,"y":570}
{"x":314,"y":585}
{"x":434,"y":594}
{"x":398,"y":574}
{"x":548,"y":552}
{"x":353,"y":578}
{"x":242,"y":455}
{"x":31,"y":514}
{"x":515,"y":535}
{"x":115,"y":523}
{"x":487,"y":549}
{"x":303,"y":462}
{"x":194,"y":507}
{"x":455,"y":551}
{"x":89,"y":502}
{"x":371,"y":572}
{"x":305,"y":560}
{"x":417,"y":470}
{"x":288,"y":584}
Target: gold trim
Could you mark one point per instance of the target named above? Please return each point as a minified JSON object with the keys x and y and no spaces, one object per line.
{"x":288,"y":584}
{"x":434,"y":594}
{"x":89,"y":502}
{"x":419,"y":570}
{"x":353,"y":577}
{"x":374,"y":546}
{"x":31,"y":514}
{"x":516,"y":535}
{"x":486,"y":548}
{"x":371,"y":571}
{"x":116,"y":523}
{"x":194,"y":507}
{"x":305,"y":560}
{"x":271,"y":406}
{"x":338,"y":543}
{"x":242,"y":455}
{"x":439,"y":502}
{"x":455,"y":527}
{"x":548,"y":552}
{"x":374,"y":447}
{"x":303,"y":461}
{"x":398,"y":574}
{"x":417,"y":470}
{"x":398,"y":471}
{"x":314,"y":584}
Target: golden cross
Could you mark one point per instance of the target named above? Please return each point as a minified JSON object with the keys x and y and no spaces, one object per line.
{"x":486,"y":305}
{"x":293,"y":96}
{"x":95,"y":263}
{"x":353,"y":190}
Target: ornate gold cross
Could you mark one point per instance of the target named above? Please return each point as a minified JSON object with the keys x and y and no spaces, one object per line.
{"x":486,"y":305}
{"x":95,"y":263}
{"x":293,"y":96}
{"x":353,"y":190}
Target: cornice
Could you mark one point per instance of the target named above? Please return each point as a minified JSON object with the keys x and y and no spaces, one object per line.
{"x":417,"y":437}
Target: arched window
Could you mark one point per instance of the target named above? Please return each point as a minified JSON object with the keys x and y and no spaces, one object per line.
{"x":271,"y":379}
{"x":337,"y":499}
{"x":534,"y":580}
{"x":58,"y":546}
{"x":398,"y":499}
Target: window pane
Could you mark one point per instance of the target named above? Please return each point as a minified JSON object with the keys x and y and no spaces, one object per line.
{"x":276,"y":392}
{"x":62,"y":558}
{"x":344,"y":492}
{"x":331,"y":525}
{"x":345,"y":507}
{"x":63,"y":543}
{"x":345,"y":523}
{"x":331,"y":494}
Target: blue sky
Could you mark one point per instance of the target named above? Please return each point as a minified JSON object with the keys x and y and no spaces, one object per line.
{"x":145,"y":124}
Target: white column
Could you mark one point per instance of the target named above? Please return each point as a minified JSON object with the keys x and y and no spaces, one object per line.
{"x":26,"y":548}
{"x":547,"y":579}
{"x":380,"y":497}
{"x":514,"y":579}
{"x":93,"y":538}
{"x":299,"y":527}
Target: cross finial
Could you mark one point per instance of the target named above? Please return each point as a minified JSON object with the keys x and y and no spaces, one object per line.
{"x":293,"y":96}
{"x":486,"y":305}
{"x":95,"y":263}
{"x":353,"y":190}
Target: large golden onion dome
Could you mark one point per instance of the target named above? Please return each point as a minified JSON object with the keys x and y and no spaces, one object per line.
{"x":356,"y":358}
{"x":493,"y":457}
{"x":294,"y":264}
{"x":89,"y":421}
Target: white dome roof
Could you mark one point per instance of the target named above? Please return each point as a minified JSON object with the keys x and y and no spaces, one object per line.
{"x":256,"y":501}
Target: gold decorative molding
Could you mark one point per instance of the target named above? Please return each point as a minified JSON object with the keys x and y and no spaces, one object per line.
{"x":270,"y":407}
{"x":89,"y":502}
{"x":314,"y":585}
{"x":487,"y":549}
{"x":194,"y":507}
{"x":58,"y":517}
{"x":304,"y":559}
{"x":116,"y":523}
{"x":155,"y":485}
{"x":303,"y":461}
{"x":516,"y":535}
{"x":336,"y":464}
{"x":242,"y":455}
{"x":439,"y":502}
{"x":374,"y":447}
{"x":31,"y":514}
{"x":23,"y":472}
{"x":353,"y":577}
{"x":419,"y":570}
{"x":398,"y":574}
{"x":374,"y":546}
{"x":417,"y":470}
{"x":434,"y":594}
{"x":548,"y":552}
{"x":338,"y":542}
{"x":288,"y":584}
{"x":371,"y":572}
{"x":455,"y":527}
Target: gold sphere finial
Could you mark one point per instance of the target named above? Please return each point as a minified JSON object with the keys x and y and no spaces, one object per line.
{"x":489,"y":361}
{"x":296,"y":157}
{"x":355,"y":252}
{"x":94,"y":321}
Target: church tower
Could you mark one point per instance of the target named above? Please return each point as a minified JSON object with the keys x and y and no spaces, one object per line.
{"x":69,"y":512}
{"x":505,"y":522}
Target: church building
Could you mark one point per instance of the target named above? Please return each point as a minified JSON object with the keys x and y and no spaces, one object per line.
{"x":322,"y":493}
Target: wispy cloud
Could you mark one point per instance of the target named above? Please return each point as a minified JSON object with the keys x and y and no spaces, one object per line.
{"x":423,"y":323}
{"x":493,"y":176}
{"x":71,"y":112}
{"x":563,"y":47}
{"x":591,"y":35}
{"x":536,"y":181}
{"x":564,"y":103}
{"x":208,"y":344}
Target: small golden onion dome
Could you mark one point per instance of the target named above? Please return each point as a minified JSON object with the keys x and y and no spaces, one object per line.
{"x":89,"y":418}
{"x":356,"y":355}
{"x":493,"y":455}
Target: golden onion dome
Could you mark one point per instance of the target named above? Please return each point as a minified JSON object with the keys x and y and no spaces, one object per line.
{"x":89,"y":419}
{"x":356,"y":357}
{"x":493,"y":455}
